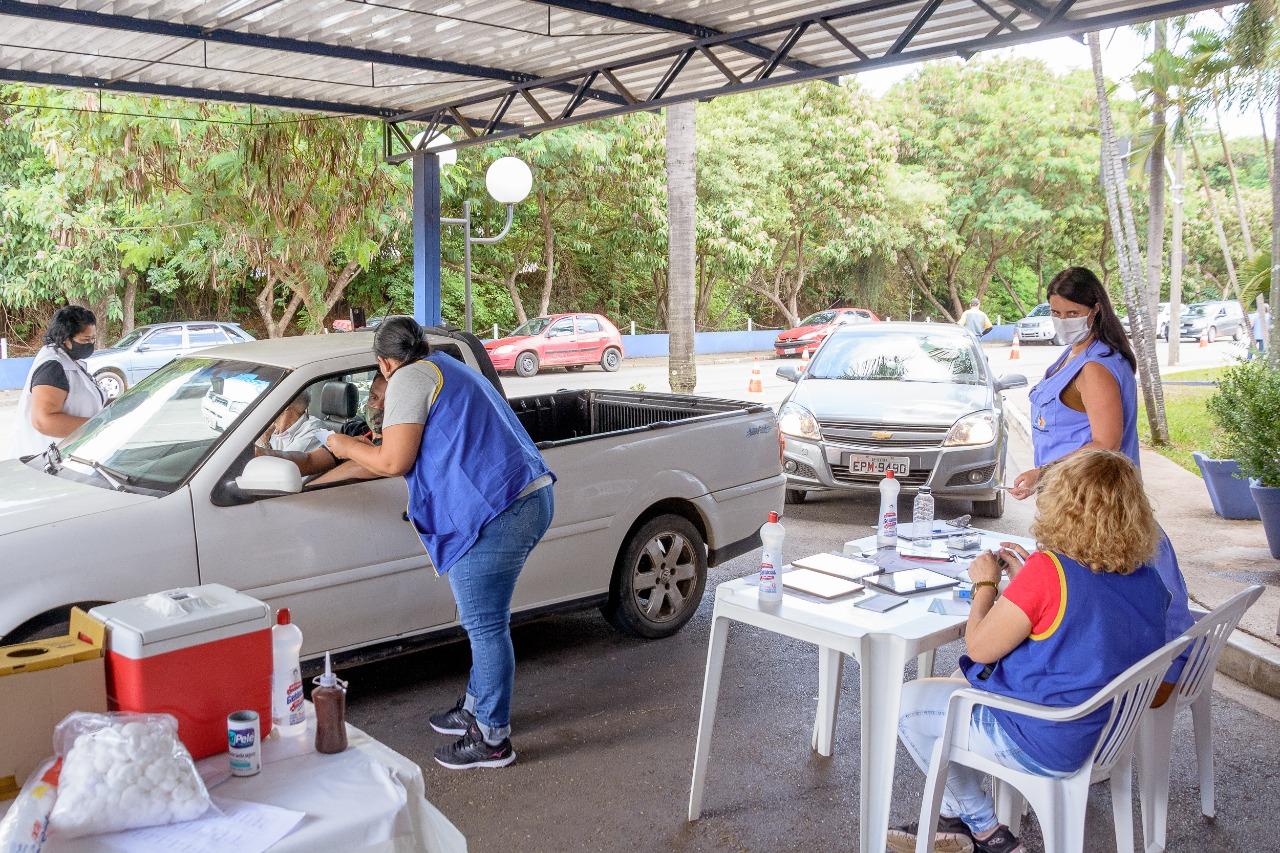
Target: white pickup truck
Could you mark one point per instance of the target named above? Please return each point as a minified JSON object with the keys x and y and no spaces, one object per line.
{"x":653,"y":489}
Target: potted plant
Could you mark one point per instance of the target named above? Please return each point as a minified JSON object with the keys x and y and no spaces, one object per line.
{"x":1247,"y":408}
{"x":1228,"y":488}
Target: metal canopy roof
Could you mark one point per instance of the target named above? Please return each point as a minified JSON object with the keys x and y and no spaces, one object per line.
{"x":496,"y":68}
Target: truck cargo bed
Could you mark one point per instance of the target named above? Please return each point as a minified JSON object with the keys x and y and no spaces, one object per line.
{"x":564,"y":416}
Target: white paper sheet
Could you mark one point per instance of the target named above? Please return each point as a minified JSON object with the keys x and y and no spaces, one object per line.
{"x":243,"y":827}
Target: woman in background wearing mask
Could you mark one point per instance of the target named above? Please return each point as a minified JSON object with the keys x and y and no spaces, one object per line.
{"x":59,"y":394}
{"x":1089,"y":399}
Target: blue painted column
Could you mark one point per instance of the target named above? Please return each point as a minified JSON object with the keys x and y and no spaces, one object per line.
{"x":426,"y":238}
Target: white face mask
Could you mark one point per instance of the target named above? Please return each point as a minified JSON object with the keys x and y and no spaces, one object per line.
{"x":1071,"y":331}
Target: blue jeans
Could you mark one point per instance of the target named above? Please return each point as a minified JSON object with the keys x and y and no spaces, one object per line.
{"x":483,"y":581}
{"x":924,"y":710}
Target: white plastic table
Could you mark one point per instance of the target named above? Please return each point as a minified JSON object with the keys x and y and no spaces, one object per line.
{"x":881,"y":643}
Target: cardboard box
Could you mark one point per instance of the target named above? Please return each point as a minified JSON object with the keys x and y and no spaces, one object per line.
{"x":40,"y":683}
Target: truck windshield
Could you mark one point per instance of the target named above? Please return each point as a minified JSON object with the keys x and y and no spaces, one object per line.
{"x":898,"y":357}
{"x":156,"y":433}
{"x":533,"y":327}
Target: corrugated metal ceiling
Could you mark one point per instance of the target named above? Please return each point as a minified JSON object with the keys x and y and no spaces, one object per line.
{"x":392,"y":56}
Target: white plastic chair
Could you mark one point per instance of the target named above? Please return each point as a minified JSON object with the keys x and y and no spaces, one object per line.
{"x":1059,"y":802}
{"x":1195,"y":689}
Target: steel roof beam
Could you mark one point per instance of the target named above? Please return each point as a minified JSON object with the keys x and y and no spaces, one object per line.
{"x":917,"y":23}
{"x":672,"y":56}
{"x":170,"y":29}
{"x":662,"y":22}
{"x":134,"y":87}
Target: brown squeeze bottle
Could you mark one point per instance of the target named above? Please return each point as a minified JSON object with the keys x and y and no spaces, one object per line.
{"x":330,"y":700}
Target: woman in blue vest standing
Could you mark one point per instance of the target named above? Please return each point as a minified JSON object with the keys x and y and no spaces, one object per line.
{"x":1089,"y":399}
{"x":480,"y":498}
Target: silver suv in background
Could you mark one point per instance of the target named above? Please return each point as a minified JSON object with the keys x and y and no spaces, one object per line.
{"x":1214,"y":320}
{"x":917,"y":398}
{"x":1038,"y":326}
{"x":148,"y":348}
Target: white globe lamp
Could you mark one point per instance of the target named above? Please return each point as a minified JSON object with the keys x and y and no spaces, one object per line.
{"x":447,"y":158}
{"x":509,"y":180}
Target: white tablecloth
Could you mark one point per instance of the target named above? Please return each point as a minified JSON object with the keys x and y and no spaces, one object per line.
{"x":369,"y":799}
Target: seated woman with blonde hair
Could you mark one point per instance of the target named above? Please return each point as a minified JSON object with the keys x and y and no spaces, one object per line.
{"x":1078,"y":612}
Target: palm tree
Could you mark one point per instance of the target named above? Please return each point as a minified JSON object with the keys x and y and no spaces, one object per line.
{"x":1120,"y":211}
{"x":682,"y":371}
{"x":1156,"y":176}
{"x":1255,"y":46}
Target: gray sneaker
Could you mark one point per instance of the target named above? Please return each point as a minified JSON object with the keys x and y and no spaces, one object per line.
{"x":454,"y":721}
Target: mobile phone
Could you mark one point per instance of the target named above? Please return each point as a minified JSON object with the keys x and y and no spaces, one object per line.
{"x":879,"y":603}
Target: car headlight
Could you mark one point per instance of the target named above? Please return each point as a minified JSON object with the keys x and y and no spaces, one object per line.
{"x":810,"y":336}
{"x":236,"y":408}
{"x":977,"y":428}
{"x":504,"y":349}
{"x":796,"y":420}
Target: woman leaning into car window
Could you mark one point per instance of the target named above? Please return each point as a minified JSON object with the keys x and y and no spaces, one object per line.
{"x":480,"y":498}
{"x":59,"y":394}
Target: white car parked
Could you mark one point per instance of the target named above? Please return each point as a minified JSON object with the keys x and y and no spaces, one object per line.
{"x":154,"y":493}
{"x":1038,"y":326}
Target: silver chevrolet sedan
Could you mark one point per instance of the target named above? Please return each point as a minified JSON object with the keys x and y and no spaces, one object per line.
{"x":915,"y":398}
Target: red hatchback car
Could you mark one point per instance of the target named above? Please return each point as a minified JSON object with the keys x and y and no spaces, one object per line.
{"x":813,"y":330}
{"x":571,"y":341}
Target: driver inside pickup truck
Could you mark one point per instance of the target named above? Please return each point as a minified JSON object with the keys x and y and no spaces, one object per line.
{"x":322,"y":464}
{"x":295,"y":430}
{"x":480,"y":498}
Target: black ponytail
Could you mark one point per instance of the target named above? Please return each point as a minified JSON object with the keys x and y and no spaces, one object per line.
{"x":400,"y":339}
{"x":1081,"y":286}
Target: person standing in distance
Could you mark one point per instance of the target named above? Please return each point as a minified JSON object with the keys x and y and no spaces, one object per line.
{"x":59,"y":394}
{"x":480,"y":497}
{"x":975,"y":320}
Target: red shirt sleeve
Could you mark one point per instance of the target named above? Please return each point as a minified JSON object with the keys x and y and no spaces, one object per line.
{"x":1037,"y":592}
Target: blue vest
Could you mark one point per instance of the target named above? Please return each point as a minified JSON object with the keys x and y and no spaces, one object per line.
{"x":1057,"y":429}
{"x":1106,"y":624}
{"x":475,"y":458}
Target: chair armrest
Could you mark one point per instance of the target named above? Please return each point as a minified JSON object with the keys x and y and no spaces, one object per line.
{"x":964,"y":701}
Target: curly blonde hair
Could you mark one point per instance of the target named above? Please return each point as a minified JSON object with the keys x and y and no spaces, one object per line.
{"x":1091,"y":506}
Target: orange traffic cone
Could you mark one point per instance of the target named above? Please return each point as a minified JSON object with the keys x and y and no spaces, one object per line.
{"x":756,"y":385}
{"x":1016,"y":352}
{"x":804,"y":360}
{"x":1204,"y":339}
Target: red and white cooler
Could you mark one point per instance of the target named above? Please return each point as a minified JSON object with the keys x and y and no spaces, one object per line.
{"x":198,"y":653}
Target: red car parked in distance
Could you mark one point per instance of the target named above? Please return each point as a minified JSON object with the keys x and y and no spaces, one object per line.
{"x":571,"y":341}
{"x":813,"y":330}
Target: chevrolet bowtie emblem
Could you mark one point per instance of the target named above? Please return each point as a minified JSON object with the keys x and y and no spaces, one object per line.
{"x":881,"y":435}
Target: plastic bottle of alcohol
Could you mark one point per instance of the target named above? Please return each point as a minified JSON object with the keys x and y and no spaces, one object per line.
{"x":922,"y":512}
{"x":288,"y":710}
{"x":887,"y":521}
{"x":772,"y":534}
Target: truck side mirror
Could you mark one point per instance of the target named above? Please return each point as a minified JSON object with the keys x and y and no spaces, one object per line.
{"x":269,"y":476}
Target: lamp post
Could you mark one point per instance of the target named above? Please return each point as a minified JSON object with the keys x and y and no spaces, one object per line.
{"x":508,"y":181}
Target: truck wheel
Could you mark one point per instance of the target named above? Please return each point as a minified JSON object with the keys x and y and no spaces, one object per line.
{"x":658,"y":579}
{"x":111,"y":382}
{"x":527,"y":364}
{"x":611,"y":360}
{"x":795,"y":496}
{"x":990,"y":509}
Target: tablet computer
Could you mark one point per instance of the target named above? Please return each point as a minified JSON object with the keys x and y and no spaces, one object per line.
{"x":910,"y":581}
{"x":817,"y":583}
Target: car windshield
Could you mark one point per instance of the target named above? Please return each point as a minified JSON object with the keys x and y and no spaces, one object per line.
{"x":819,"y":319}
{"x":156,"y":433}
{"x":1199,"y":310}
{"x":1041,"y":310}
{"x":132,"y":338}
{"x":533,"y":327}
{"x":898,"y":357}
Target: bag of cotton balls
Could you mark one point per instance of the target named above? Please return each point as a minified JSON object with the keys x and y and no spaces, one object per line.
{"x":123,"y":771}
